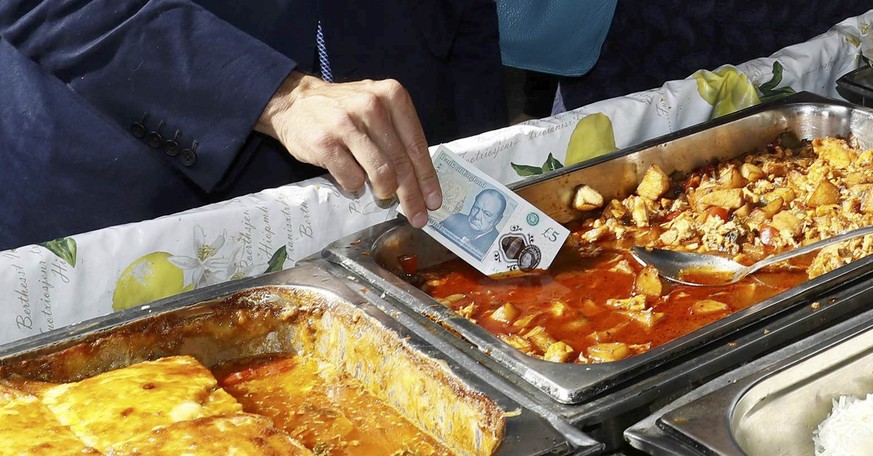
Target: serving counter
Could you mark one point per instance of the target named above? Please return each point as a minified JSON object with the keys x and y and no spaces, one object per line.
{"x":771,"y":405}
{"x":211,"y":251}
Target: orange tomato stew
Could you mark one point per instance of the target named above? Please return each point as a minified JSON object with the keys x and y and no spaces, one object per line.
{"x":597,"y":304}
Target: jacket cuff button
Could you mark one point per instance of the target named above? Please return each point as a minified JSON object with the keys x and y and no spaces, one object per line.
{"x":171,"y":146}
{"x":138,"y":129}
{"x":154,"y":138}
{"x":189,"y":156}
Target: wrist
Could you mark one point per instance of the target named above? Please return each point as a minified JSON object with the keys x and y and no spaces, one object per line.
{"x":281,"y":101}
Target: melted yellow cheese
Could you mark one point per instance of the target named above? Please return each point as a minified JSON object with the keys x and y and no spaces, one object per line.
{"x":238,"y":435}
{"x":110,"y":408}
{"x":28,"y":427}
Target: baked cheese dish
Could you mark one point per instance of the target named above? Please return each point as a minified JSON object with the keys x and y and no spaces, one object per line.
{"x":172,"y":406}
{"x":238,"y":434}
{"x":265,"y":405}
{"x":111,"y":408}
{"x":29,"y":427}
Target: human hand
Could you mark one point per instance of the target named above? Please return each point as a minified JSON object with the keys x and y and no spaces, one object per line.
{"x":357,"y":131}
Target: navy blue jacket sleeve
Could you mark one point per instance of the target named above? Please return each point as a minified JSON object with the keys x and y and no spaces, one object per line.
{"x":169,"y":59}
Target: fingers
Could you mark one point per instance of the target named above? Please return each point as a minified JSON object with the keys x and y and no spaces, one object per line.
{"x":336,"y":158}
{"x":408,"y":128}
{"x":365,"y":129}
{"x":393,"y":169}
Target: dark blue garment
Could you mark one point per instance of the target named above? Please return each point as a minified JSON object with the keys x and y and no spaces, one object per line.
{"x":115,"y":111}
{"x":654,"y":41}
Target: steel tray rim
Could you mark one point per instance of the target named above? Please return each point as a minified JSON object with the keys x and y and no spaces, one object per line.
{"x":314,"y":277}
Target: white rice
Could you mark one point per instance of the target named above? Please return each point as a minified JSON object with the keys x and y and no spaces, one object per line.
{"x":848,"y":430}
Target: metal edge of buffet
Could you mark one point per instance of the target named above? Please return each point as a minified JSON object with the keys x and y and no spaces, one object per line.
{"x":526,"y":434}
{"x":602,"y":399}
{"x":770,"y":405}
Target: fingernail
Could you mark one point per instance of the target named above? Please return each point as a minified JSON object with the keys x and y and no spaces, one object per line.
{"x":386,"y":202}
{"x":433,"y":201}
{"x":419,"y":220}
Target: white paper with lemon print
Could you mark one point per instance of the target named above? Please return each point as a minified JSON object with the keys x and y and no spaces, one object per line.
{"x":92,"y":274}
{"x":538,"y":146}
{"x":44,"y":287}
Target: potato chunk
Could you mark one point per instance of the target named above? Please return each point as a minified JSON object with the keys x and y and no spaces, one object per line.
{"x":786,"y":221}
{"x":826,"y":193}
{"x":607,"y":352}
{"x":639,"y":213}
{"x":654,"y":184}
{"x":526,"y":320}
{"x":708,"y":306}
{"x":587,"y":198}
{"x":648,"y":283}
{"x":559,"y":308}
{"x":558,"y":352}
{"x":540,"y":338}
{"x":623,"y":267}
{"x":731,"y":177}
{"x":785,"y":193}
{"x":634,"y":303}
{"x":506,"y":313}
{"x":751,"y":172}
{"x":731,"y":198}
{"x":518,"y":342}
{"x":763,"y":214}
{"x":647,"y":318}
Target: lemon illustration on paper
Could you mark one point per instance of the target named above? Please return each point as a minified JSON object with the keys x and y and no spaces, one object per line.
{"x":592,"y":137}
{"x":147,"y":279}
{"x":726,"y":89}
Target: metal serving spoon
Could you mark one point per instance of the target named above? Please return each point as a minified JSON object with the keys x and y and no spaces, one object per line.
{"x":706,"y":270}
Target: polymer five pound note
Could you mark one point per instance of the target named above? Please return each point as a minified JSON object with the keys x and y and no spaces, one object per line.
{"x":488,"y":225}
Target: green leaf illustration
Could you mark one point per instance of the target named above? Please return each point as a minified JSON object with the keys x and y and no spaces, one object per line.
{"x":776,"y":94}
{"x":775,"y":80}
{"x":551,"y":164}
{"x":277,"y":261}
{"x":64,"y":248}
{"x":768,"y":90}
{"x":526,"y":170}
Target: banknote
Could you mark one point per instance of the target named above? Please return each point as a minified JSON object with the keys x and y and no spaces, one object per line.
{"x":488,"y":225}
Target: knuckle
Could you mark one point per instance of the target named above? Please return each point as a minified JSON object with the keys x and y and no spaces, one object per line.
{"x":368,"y":103}
{"x":323,"y":140}
{"x":349,"y":178}
{"x":401,"y":164}
{"x":384,"y":174}
{"x":343,"y":123}
{"x":354,"y":183}
{"x":417,"y":148}
{"x":392,"y":88}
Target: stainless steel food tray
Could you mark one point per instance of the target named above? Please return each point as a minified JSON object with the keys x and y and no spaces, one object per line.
{"x":213,"y":330}
{"x":770,"y":406}
{"x":857,"y":86}
{"x":372,"y":253}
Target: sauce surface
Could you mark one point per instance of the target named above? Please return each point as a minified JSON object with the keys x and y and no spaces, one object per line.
{"x":576,"y":302}
{"x":327,"y":410}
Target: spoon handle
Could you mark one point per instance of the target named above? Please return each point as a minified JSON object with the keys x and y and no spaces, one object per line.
{"x":809,"y":248}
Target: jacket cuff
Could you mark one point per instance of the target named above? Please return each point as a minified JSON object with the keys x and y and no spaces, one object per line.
{"x":187,"y":84}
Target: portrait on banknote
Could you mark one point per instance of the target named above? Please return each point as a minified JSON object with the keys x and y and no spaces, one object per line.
{"x":487,"y":224}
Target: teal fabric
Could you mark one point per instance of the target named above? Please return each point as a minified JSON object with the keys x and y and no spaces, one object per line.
{"x":561,"y":37}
